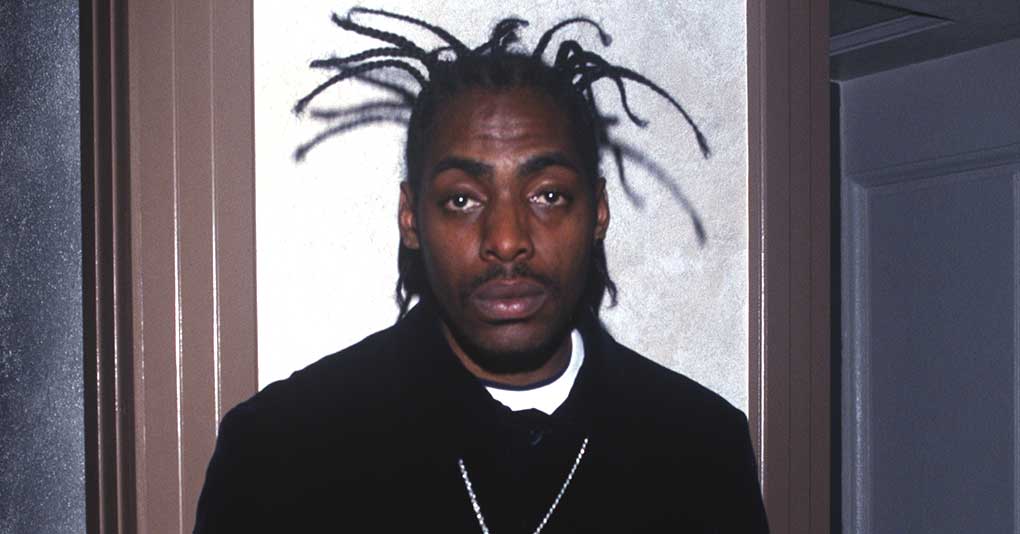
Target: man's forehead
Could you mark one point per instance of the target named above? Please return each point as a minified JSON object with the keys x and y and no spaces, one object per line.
{"x":498,"y":119}
{"x":510,"y":108}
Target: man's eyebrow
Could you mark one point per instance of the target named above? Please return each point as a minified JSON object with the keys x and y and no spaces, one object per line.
{"x":471,"y":167}
{"x":538,"y":163}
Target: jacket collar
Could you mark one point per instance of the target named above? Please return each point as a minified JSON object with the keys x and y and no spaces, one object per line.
{"x":445,"y":385}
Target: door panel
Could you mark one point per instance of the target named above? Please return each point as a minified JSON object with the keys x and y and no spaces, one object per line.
{"x":941,"y":273}
{"x":931,"y":367}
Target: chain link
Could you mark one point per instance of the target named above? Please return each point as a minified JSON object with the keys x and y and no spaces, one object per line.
{"x":478,"y":509}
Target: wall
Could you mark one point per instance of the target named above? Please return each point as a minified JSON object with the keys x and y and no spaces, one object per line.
{"x":42,"y":456}
{"x":931,"y":317}
{"x":326,"y":233}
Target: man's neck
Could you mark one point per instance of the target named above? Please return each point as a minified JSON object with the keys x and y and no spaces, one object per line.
{"x":553,"y":366}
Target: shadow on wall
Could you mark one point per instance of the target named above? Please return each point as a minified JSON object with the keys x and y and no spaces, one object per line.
{"x":582,"y":68}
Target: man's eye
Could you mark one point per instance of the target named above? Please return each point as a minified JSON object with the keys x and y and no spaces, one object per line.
{"x":461,"y":203}
{"x":550,"y":198}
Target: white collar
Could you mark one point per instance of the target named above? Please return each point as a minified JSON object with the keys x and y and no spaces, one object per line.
{"x":549,"y":396}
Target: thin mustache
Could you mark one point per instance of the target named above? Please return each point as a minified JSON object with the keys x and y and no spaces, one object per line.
{"x":517,"y":270}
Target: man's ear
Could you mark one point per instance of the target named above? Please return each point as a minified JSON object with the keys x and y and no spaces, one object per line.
{"x":406,"y":219}
{"x":601,"y":209}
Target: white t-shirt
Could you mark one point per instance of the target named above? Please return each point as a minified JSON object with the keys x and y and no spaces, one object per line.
{"x":549,"y":396}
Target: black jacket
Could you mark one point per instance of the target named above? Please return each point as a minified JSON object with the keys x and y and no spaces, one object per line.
{"x":368,"y":440}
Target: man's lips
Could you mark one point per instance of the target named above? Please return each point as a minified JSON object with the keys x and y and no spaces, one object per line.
{"x":508,"y":300}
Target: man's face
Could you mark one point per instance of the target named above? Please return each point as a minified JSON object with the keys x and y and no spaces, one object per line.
{"x":506,"y":221}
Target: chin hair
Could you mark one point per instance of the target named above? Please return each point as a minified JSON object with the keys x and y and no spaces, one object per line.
{"x":508,"y":362}
{"x":511,"y":361}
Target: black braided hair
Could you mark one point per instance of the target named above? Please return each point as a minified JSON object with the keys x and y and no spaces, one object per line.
{"x":444,"y":72}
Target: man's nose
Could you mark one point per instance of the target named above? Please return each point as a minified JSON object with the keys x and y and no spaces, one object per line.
{"x":506,"y":235}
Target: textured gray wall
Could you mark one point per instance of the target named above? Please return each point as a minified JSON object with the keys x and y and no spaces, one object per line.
{"x":42,"y":458}
{"x":326,"y":229}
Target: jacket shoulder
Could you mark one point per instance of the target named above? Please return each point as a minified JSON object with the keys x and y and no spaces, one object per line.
{"x":337,"y":383}
{"x":668,"y":398}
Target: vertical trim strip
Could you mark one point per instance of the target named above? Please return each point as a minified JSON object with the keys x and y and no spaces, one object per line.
{"x":107,"y":270}
{"x":215,"y":232}
{"x":178,"y":296}
{"x":856,"y":392}
{"x":789,"y":257}
{"x":756,"y":255}
{"x":1016,"y":352}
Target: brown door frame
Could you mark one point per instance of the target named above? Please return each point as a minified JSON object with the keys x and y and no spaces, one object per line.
{"x":168,"y":189}
{"x":788,"y":203}
{"x":109,"y":476}
{"x":169,"y":240}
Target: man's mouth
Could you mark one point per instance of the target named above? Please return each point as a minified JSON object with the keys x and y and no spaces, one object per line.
{"x":508,"y":300}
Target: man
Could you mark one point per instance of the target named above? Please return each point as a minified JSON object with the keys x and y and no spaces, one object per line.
{"x":498,"y":401}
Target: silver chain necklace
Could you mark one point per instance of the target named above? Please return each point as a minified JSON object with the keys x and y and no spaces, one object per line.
{"x":552,"y":508}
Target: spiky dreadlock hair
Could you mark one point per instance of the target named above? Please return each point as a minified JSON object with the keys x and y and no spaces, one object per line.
{"x":496,"y":64}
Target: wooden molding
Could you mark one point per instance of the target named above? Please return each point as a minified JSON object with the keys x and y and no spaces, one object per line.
{"x":967,"y":161}
{"x":106,"y":234}
{"x":883,"y":32}
{"x":1016,"y":347}
{"x":170,"y":281}
{"x":788,"y":154}
{"x":856,"y":409}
